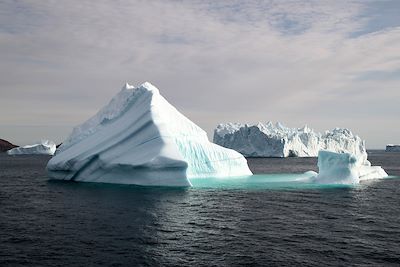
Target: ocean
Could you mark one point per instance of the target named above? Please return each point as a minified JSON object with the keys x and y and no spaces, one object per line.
{"x":267,"y":221}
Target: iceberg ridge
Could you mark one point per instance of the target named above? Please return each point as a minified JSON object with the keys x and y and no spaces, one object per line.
{"x":277,"y":140}
{"x":139,"y":138}
{"x":45,"y":147}
{"x":392,"y":148}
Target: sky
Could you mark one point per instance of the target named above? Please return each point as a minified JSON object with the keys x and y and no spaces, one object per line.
{"x":322,"y":63}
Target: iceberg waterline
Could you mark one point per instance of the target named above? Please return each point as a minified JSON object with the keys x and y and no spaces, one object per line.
{"x":44,"y":147}
{"x":139,"y":138}
{"x":335,"y":169}
{"x":277,"y":140}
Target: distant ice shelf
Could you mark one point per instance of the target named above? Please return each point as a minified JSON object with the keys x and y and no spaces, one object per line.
{"x":45,"y":147}
{"x":277,"y":140}
{"x":392,"y":148}
{"x":139,"y":138}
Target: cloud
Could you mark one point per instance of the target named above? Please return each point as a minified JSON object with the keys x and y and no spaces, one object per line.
{"x":293,"y":61}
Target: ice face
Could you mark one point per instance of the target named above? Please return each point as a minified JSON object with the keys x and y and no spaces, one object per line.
{"x":45,"y":147}
{"x":345,"y":168}
{"x":392,"y":148}
{"x":139,"y":138}
{"x":276,"y":140}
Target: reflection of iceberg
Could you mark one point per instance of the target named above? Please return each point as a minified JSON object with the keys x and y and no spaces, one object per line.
{"x":139,"y":138}
{"x":346,"y":168}
{"x":45,"y":147}
{"x":276,"y":140}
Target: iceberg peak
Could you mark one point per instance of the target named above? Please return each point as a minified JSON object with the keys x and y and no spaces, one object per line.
{"x":306,"y":129}
{"x":128,"y":86}
{"x":147,"y":87}
{"x":144,"y":86}
{"x":140,"y":138}
{"x":44,"y":147}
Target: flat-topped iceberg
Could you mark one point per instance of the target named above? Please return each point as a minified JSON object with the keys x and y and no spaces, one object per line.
{"x":276,"y":140}
{"x":45,"y":147}
{"x":345,"y":168}
{"x":139,"y":138}
{"x":392,"y":148}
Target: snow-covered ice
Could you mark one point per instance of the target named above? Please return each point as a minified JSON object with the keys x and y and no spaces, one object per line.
{"x":345,"y":168}
{"x":276,"y":140}
{"x":139,"y":138}
{"x":392,"y":148}
{"x":45,"y":147}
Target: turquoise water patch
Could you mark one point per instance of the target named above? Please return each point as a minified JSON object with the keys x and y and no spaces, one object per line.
{"x":270,"y":181}
{"x":261,"y":181}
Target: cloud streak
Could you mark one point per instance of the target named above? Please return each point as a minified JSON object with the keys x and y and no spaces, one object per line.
{"x":311,"y":62}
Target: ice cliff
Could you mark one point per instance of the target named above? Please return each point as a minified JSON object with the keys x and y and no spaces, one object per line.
{"x":276,"y":140}
{"x":45,"y":147}
{"x":139,"y":138}
{"x":392,"y":148}
{"x":345,"y":168}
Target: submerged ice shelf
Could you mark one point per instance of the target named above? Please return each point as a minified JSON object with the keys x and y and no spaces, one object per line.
{"x":277,"y":140}
{"x":258,"y":181}
{"x":139,"y":138}
{"x":45,"y":147}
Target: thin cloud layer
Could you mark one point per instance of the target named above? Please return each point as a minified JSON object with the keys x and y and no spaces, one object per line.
{"x":314,"y":62}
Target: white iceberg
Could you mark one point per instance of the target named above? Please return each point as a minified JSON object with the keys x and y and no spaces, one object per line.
{"x":345,"y":168}
{"x":392,"y":148}
{"x":276,"y":140}
{"x":139,"y":138}
{"x":45,"y":147}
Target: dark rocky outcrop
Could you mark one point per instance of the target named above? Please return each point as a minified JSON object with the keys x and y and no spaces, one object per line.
{"x":5,"y":145}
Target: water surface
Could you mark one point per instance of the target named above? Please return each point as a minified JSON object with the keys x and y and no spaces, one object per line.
{"x":46,"y":223}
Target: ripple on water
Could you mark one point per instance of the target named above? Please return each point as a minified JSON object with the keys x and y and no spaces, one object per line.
{"x":56,"y":223}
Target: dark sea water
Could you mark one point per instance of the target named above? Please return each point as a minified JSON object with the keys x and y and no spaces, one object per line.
{"x":46,"y":223}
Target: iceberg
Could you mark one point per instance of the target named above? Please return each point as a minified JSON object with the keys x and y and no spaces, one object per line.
{"x":139,"y":138}
{"x":277,"y":140}
{"x":45,"y":147}
{"x":345,"y":168}
{"x":392,"y":148}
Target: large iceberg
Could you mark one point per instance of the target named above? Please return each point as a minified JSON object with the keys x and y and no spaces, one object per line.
{"x":276,"y":140}
{"x":392,"y":148}
{"x":45,"y":147}
{"x":139,"y":138}
{"x":345,"y":168}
